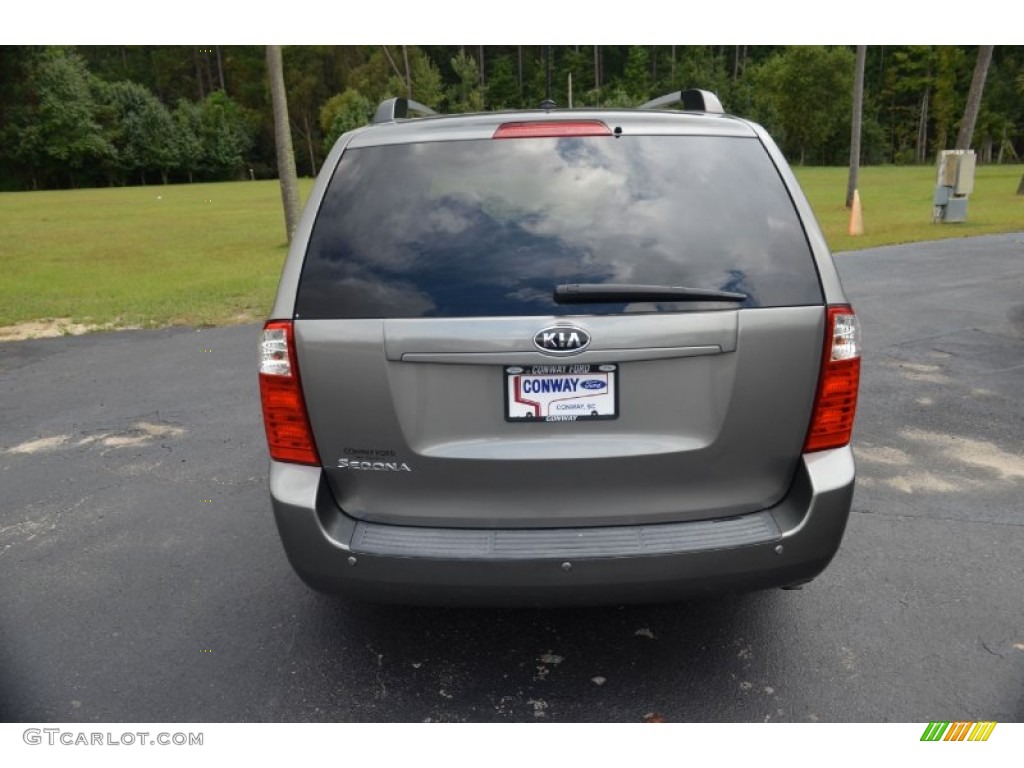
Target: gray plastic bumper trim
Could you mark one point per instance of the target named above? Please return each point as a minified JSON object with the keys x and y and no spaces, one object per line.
{"x":626,"y":541}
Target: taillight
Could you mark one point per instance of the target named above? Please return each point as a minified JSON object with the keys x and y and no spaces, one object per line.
{"x":289,"y":436}
{"x":835,"y":404}
{"x":539,"y":129}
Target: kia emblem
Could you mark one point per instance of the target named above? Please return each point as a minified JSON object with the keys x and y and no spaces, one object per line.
{"x":561,"y":340}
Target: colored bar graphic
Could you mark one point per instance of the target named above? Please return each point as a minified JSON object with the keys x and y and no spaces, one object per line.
{"x":958,"y":731}
{"x":986,"y":731}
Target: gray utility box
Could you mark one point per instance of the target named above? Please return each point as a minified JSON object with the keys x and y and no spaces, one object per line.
{"x":953,"y":185}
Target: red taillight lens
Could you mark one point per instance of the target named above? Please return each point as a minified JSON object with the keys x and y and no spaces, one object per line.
{"x":835,"y":404}
{"x":289,"y":436}
{"x":539,"y":129}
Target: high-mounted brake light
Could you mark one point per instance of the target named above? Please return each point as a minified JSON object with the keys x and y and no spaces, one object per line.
{"x":539,"y":129}
{"x":289,"y":436}
{"x":835,"y":404}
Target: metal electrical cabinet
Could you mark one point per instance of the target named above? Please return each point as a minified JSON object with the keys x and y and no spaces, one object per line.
{"x":953,"y":185}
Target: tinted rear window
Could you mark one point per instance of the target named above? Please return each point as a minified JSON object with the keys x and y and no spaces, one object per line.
{"x":489,"y":228}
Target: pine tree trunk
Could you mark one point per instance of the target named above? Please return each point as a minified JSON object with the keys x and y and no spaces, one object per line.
{"x":199,"y":73}
{"x":283,"y":141}
{"x":309,"y":143}
{"x":220,"y":69}
{"x":519,"y":48}
{"x":547,"y":72}
{"x":209,"y":71}
{"x":855,"y":129}
{"x":922,"y":129}
{"x":963,"y":139}
{"x":408,"y":72}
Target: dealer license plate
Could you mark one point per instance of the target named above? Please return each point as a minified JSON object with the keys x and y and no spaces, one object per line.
{"x":561,"y":392}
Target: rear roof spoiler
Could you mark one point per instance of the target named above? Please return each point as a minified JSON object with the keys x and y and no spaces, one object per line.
{"x":398,"y":108}
{"x":693,"y":100}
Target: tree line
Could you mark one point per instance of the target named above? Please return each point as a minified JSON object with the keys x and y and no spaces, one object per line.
{"x":114,"y":115}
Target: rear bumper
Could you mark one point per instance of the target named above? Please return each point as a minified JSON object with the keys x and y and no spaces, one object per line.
{"x":788,"y":544}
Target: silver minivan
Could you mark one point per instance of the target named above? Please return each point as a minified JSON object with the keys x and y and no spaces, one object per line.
{"x":559,"y":356}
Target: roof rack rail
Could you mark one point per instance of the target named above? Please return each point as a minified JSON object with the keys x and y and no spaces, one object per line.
{"x":693,"y":100}
{"x":397,"y":108}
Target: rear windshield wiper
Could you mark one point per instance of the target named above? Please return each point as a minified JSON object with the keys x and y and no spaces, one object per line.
{"x":612,"y":293}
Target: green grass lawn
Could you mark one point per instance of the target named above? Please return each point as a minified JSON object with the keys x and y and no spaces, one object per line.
{"x":193,"y":254}
{"x":897,"y":204}
{"x":208,"y":254}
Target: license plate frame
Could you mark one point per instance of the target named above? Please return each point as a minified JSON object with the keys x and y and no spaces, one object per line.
{"x":573,"y":392}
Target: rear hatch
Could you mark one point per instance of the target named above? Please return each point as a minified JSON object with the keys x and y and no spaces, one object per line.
{"x":447,"y":385}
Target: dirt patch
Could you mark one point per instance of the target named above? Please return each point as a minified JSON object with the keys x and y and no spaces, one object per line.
{"x":980,"y":462}
{"x":931,"y":374}
{"x":881,"y":454}
{"x":62,"y":326}
{"x":54,"y":328}
{"x":140,"y":433}
{"x":43,"y":444}
{"x":914,"y":482}
{"x":977,"y":453}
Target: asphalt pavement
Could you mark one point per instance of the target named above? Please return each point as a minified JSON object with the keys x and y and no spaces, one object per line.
{"x":142,"y":580}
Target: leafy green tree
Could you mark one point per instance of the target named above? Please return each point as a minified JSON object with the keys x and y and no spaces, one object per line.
{"x":612,"y":97}
{"x":636,"y":79}
{"x":502,"y":86}
{"x":698,"y":66}
{"x":427,"y":84}
{"x":464,"y":95}
{"x":226,"y":136}
{"x":57,"y":128}
{"x":578,"y":62}
{"x":306,"y":85}
{"x":384,"y":76}
{"x":950,"y":65}
{"x":342,"y":113}
{"x":908,"y":91}
{"x":57,"y":132}
{"x":373,"y":78}
{"x":140,"y":129}
{"x":536,"y":85}
{"x":188,"y":137}
{"x":803,"y":94}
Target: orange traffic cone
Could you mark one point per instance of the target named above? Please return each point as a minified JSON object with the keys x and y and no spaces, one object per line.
{"x":856,"y":217}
